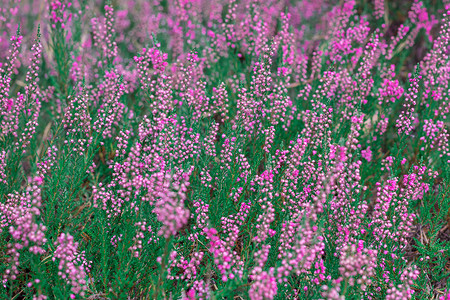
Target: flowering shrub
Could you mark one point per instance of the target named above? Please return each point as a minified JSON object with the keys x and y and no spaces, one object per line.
{"x":197,"y":149}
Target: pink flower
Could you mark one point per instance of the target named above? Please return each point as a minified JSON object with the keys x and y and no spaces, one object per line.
{"x":367,"y":154}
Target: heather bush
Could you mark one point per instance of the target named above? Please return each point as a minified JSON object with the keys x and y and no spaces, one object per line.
{"x":229,"y":149}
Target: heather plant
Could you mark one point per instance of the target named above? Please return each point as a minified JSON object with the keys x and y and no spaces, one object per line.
{"x":231,"y":149}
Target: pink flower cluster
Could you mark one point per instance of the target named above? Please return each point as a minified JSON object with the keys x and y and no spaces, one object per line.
{"x":69,"y":270}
